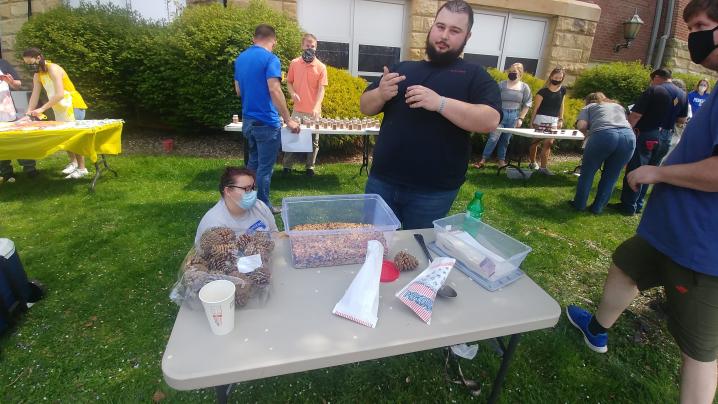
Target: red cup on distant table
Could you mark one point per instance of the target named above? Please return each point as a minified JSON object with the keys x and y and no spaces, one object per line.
{"x":168,"y":145}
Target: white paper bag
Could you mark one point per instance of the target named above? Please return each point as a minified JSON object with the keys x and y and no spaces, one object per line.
{"x":361,"y":300}
{"x":296,"y":142}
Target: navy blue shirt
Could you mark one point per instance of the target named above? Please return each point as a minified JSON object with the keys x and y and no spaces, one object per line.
{"x":680,"y":222}
{"x":419,"y":148}
{"x":654,"y":105}
{"x":252,"y":69}
{"x":679,"y":104}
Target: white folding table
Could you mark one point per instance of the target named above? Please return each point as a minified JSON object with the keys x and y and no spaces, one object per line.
{"x":296,"y":331}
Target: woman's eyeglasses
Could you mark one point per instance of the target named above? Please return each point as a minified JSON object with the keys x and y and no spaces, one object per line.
{"x":248,"y":188}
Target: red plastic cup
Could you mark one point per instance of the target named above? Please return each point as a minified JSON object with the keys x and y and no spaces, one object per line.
{"x":168,"y":145}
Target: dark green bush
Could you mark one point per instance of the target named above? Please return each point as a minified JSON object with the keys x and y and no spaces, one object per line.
{"x":97,"y":46}
{"x":187,"y":77}
{"x":620,"y":81}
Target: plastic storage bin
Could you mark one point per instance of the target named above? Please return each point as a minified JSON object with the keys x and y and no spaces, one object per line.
{"x":363,"y":217}
{"x":509,"y":251}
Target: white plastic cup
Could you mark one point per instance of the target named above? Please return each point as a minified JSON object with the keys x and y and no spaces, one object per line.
{"x":217,"y":297}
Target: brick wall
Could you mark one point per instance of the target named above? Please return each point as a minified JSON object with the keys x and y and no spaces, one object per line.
{"x":610,"y":30}
{"x":679,"y":27}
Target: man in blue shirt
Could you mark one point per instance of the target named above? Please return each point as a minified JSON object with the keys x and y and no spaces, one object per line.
{"x":257,"y":76}
{"x":676,"y":242}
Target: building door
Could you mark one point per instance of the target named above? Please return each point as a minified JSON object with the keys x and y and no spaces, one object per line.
{"x":500,"y":39}
{"x":361,"y":36}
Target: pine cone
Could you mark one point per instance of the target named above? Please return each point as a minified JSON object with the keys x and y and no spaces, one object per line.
{"x":260,"y":276}
{"x":242,"y":241}
{"x":214,"y":236}
{"x":405,"y":261}
{"x":222,"y":261}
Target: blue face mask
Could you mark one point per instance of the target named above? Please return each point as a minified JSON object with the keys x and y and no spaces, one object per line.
{"x":248,"y":200}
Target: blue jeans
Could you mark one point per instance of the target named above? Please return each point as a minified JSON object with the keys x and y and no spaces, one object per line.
{"x":501,"y":139}
{"x":646,"y":147}
{"x":611,"y":148}
{"x":664,"y":144}
{"x":264,"y":143}
{"x":414,"y":209}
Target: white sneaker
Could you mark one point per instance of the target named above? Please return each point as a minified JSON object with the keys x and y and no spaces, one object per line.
{"x":79,"y":173}
{"x":69,"y":169}
{"x":545,"y":171}
{"x":533,"y":166}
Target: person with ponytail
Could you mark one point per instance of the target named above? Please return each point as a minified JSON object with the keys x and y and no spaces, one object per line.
{"x":65,"y":101}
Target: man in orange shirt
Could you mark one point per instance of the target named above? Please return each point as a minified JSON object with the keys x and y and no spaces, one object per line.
{"x":306,"y":80}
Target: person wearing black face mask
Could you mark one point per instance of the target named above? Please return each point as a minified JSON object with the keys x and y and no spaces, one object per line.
{"x":675,"y":243}
{"x":549,"y":106}
{"x":306,"y":81}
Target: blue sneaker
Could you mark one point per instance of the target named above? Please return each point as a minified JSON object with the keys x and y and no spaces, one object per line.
{"x":580,"y":319}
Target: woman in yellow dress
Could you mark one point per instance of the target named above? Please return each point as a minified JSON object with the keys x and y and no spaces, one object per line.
{"x":65,"y":101}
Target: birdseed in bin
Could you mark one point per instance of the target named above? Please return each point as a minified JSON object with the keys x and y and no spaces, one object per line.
{"x":335,"y":229}
{"x":483,"y":249}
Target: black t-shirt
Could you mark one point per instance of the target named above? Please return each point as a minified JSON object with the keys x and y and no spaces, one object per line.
{"x":551,"y":102}
{"x":8,"y":69}
{"x":654,"y":105}
{"x":420,"y":148}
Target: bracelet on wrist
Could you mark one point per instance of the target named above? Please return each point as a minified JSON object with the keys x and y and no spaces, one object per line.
{"x":442,"y":104}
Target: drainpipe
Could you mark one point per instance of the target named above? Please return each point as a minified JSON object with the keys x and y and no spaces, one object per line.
{"x":29,"y":9}
{"x":654,"y":32}
{"x":666,"y":33}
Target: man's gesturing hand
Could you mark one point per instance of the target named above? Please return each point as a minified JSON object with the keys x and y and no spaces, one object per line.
{"x":422,"y":97}
{"x":389,"y":84}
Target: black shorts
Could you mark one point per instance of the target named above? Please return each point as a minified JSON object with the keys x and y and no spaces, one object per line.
{"x":692,"y":296}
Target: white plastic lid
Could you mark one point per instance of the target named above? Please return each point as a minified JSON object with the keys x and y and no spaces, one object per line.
{"x":7,"y":248}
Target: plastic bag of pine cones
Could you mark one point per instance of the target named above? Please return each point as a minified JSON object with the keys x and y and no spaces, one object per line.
{"x":242,"y":259}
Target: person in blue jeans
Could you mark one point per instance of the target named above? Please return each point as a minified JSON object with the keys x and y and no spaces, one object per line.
{"x":610,"y":143}
{"x":257,"y":75}
{"x":677,"y":116}
{"x":647,"y":116}
{"x":515,"y":104}
{"x":430,"y":108}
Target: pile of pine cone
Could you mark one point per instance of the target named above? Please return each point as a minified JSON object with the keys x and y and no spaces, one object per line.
{"x":216,"y":258}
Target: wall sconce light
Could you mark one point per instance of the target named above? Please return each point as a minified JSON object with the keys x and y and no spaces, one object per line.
{"x":630,"y":31}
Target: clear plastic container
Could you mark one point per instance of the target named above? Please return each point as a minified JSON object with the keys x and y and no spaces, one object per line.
{"x":361,"y":217}
{"x":510,"y":253}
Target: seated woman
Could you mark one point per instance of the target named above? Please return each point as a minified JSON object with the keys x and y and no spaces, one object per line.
{"x":610,"y":142}
{"x":238,"y":208}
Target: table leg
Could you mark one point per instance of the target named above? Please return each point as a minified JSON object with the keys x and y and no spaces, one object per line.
{"x":99,"y":169}
{"x":514,"y":153}
{"x":223,"y":393}
{"x":505,"y":361}
{"x":365,"y":155}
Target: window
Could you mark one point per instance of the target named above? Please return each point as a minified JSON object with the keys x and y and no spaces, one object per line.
{"x":361,"y":36}
{"x":501,"y":39}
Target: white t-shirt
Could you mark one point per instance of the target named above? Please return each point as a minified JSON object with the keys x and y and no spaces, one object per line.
{"x":259,"y":218}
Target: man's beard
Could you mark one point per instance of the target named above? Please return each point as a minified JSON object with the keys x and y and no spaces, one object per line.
{"x":445,"y":58}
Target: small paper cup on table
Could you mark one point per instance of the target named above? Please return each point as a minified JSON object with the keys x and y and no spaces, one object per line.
{"x":217,"y":298}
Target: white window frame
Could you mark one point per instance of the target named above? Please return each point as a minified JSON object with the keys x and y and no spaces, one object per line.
{"x":504,"y":53}
{"x":353,"y":41}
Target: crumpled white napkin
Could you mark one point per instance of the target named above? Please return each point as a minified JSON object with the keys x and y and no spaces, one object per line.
{"x":360,"y":302}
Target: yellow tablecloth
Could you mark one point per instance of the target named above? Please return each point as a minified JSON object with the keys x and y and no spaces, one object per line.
{"x":87,"y":138}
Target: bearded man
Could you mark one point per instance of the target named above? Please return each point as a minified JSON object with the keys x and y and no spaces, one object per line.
{"x":430,"y":109}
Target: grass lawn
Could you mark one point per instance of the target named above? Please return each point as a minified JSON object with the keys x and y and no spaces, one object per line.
{"x":110,"y":259}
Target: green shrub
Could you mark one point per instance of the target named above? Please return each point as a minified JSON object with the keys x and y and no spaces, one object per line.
{"x":620,"y":81}
{"x":692,"y":79}
{"x":97,"y":47}
{"x":188,"y":73}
